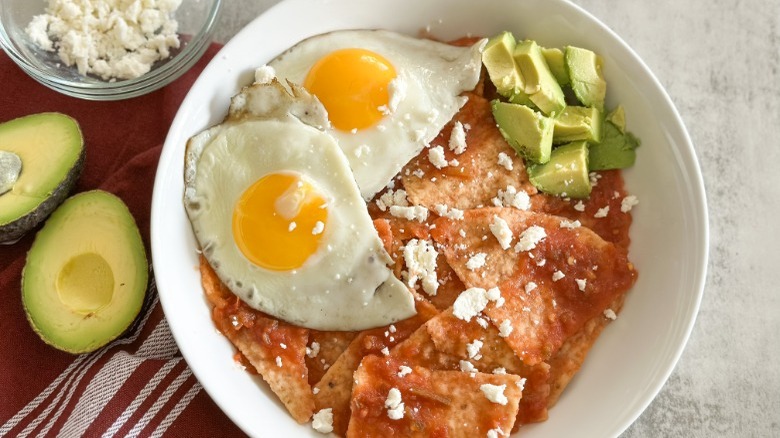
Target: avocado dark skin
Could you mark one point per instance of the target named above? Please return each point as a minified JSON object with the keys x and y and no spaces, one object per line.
{"x":13,"y":231}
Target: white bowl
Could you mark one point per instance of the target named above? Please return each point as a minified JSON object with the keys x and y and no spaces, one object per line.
{"x":634,"y":356}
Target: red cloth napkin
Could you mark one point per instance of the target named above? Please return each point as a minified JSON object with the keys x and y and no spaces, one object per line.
{"x":138,"y":385}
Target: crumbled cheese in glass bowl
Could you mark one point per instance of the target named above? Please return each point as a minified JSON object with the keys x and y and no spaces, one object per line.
{"x":106,"y":49}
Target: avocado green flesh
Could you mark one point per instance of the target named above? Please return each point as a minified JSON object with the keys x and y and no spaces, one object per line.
{"x":555,"y":61}
{"x":616,"y":150}
{"x":540,"y":85}
{"x":527,"y":54}
{"x":519,"y":97}
{"x":528,"y":132}
{"x":86,"y":274}
{"x":618,"y":118}
{"x":51,"y":150}
{"x":578,"y":123}
{"x":566,"y":174}
{"x":500,"y":64}
{"x":586,"y":77}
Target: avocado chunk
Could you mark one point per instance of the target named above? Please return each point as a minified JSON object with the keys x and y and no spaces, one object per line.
{"x":616,"y":150}
{"x":540,"y":85}
{"x":527,"y":131}
{"x":500,"y":64}
{"x":50,"y":151}
{"x":520,"y":98}
{"x":86,"y":274}
{"x":587,"y":79}
{"x":566,"y":174}
{"x":618,"y":118}
{"x":578,"y":123}
{"x":554,"y":58}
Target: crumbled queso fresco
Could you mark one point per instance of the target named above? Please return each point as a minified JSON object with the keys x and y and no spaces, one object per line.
{"x":112,"y":39}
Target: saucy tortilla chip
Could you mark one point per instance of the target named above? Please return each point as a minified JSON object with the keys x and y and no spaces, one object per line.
{"x":335,"y":388}
{"x":324,"y":349}
{"x":569,"y":358}
{"x":561,"y":278}
{"x":457,"y":337}
{"x":274,"y":348}
{"x":419,"y":350}
{"x":475,"y":178}
{"x":452,"y":334}
{"x":395,"y":233}
{"x":431,"y":403}
{"x":450,"y":285}
{"x":607,"y":195}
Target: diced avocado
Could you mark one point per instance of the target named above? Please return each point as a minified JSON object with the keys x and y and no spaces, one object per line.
{"x":520,"y":98}
{"x":566,"y":174}
{"x":616,"y":150}
{"x":578,"y":123}
{"x":587,"y":79}
{"x":554,"y":58}
{"x":540,"y":85}
{"x":41,"y":157}
{"x":500,"y":64}
{"x":86,"y":274}
{"x":618,"y":118}
{"x":527,"y":54}
{"x":527,"y":131}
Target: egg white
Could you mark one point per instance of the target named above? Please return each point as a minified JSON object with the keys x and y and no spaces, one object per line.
{"x":346,"y":284}
{"x":425,"y":95}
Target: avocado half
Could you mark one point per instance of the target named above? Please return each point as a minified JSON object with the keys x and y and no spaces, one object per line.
{"x":86,"y":274}
{"x":51,"y":150}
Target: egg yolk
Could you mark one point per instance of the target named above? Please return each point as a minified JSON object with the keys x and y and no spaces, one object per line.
{"x":279,"y":221}
{"x":352,"y":84}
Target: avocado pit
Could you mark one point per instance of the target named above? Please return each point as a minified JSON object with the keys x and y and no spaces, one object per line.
{"x":85,"y":283}
{"x":10,"y":168}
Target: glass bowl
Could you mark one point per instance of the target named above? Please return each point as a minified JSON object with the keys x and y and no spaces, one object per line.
{"x":196,"y":20}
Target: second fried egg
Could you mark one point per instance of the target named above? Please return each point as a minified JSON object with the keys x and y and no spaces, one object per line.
{"x":387,"y":95}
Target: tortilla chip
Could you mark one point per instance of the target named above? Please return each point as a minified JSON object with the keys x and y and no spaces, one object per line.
{"x":609,"y":191}
{"x":275,"y":349}
{"x":450,"y":285}
{"x":385,"y":233}
{"x":420,"y":349}
{"x":567,"y":362}
{"x":436,"y":403}
{"x":534,"y":404}
{"x":451,"y":335}
{"x":395,"y":233}
{"x":324,"y":349}
{"x":476,"y":179}
{"x":334,"y":389}
{"x":543,"y":318}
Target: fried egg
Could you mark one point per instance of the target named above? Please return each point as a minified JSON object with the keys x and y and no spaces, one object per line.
{"x":278,"y":215}
{"x":387,"y":95}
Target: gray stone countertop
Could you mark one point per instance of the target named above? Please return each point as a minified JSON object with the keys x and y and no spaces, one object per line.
{"x":720,"y":63}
